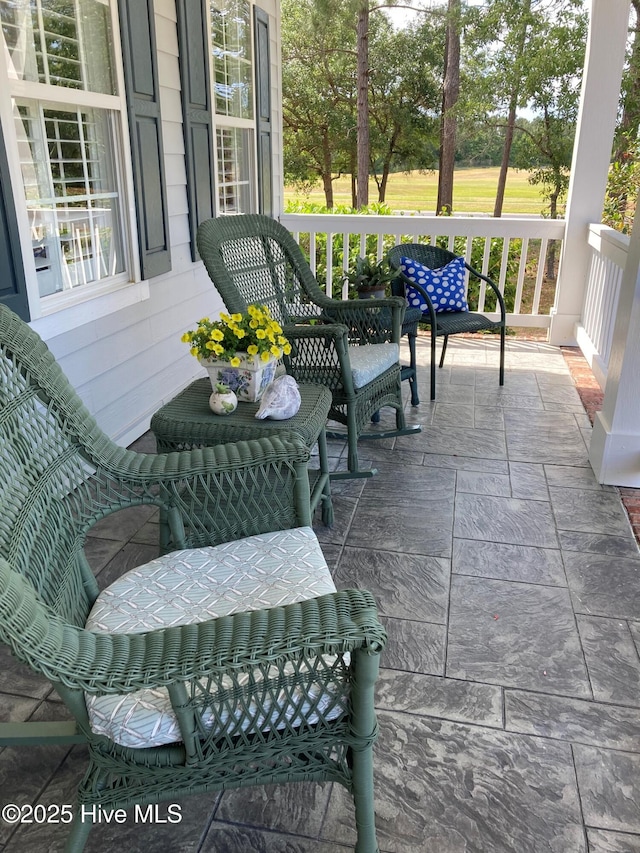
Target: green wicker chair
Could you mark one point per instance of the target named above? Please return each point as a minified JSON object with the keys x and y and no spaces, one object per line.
{"x":252,"y":259}
{"x":454,"y":322}
{"x":250,"y":692}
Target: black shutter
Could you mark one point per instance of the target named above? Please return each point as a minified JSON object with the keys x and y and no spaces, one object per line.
{"x":13,"y":288}
{"x":195,"y":77}
{"x":145,"y":124}
{"x":263,"y":109}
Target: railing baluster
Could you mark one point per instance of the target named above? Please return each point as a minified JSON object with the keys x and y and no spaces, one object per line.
{"x":539,"y":277}
{"x":522,"y":267}
{"x":312,"y":251}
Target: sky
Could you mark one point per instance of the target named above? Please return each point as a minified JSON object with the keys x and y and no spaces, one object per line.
{"x":401,"y":17}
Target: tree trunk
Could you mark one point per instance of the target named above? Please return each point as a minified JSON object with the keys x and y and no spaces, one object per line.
{"x":386,"y":166}
{"x":450,"y":92}
{"x":382,"y":186}
{"x":513,"y":107}
{"x":327,"y":176}
{"x":551,"y":251}
{"x":362,"y":31}
{"x":506,"y":154}
{"x":327,"y":186}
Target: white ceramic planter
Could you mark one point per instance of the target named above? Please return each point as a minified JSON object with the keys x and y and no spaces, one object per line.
{"x":248,"y":381}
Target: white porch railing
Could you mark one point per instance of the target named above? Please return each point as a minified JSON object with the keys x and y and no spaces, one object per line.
{"x":608,"y":250}
{"x":513,"y":251}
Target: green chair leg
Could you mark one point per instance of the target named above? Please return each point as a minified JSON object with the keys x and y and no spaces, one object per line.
{"x":79,"y":834}
{"x":363,"y":799}
{"x":364,"y":726}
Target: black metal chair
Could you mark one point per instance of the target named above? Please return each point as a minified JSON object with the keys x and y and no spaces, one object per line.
{"x":443,"y":324}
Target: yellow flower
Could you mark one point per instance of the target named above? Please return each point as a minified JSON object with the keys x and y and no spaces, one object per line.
{"x":217,"y":334}
{"x":217,"y":348}
{"x":239,"y":333}
{"x":286,"y":348}
{"x":235,"y":361}
{"x":252,"y":349}
{"x":194,"y":352}
{"x":186,"y":338}
{"x":261,"y":334}
{"x":237,"y":318}
{"x":275,"y":351}
{"x":224,"y":317}
{"x":210,"y":345}
{"x":265,"y":356}
{"x":253,"y":324}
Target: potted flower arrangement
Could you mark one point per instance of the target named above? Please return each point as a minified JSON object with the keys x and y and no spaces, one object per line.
{"x":240,"y":351}
{"x":370,"y":278}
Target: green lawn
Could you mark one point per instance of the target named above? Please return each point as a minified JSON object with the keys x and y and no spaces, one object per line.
{"x":474,"y":192}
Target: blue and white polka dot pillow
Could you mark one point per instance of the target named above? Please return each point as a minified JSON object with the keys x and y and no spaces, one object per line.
{"x":445,"y":286}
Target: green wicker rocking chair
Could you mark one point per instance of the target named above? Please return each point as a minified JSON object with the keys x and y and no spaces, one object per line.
{"x":254,"y":681}
{"x":252,"y":259}
{"x":451,"y":322}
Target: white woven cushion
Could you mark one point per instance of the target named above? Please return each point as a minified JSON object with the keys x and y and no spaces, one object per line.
{"x":184,"y":587}
{"x":368,"y":362}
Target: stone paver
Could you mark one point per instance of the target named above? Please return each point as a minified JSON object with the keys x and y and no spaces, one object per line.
{"x":509,"y":693}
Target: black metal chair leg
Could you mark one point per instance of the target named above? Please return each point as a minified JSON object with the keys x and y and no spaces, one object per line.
{"x":433,"y":365}
{"x":444,"y":349}
{"x":413,"y":383}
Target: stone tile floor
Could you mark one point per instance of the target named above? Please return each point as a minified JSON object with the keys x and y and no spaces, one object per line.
{"x":509,"y":699}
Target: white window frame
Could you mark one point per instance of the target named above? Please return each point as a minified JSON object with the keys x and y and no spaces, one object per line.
{"x":222,"y":121}
{"x":63,"y":311}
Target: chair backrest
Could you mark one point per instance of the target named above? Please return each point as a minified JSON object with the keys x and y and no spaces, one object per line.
{"x":252,"y":259}
{"x":43,"y":472}
{"x":430,"y":256}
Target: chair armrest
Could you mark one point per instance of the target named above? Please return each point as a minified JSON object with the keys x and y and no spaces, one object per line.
{"x":320,"y":354}
{"x":493,"y":285}
{"x":212,"y":494}
{"x":368,"y":320}
{"x":123,"y":663}
{"x":433,"y":322}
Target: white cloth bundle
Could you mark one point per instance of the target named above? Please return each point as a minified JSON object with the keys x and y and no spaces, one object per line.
{"x":281,"y":400}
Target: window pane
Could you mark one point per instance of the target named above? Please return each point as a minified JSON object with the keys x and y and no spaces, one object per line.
{"x":72,"y":193}
{"x":234,"y":170}
{"x":60,"y":42}
{"x":231,"y":46}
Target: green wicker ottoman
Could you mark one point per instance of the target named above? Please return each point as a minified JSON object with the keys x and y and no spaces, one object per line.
{"x":187,"y":422}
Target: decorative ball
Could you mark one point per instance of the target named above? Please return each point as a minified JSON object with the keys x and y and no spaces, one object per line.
{"x":223,"y":400}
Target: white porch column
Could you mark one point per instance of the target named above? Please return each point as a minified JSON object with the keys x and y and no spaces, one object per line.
{"x":614,"y":451}
{"x":604,"y":61}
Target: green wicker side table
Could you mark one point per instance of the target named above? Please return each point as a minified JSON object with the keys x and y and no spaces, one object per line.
{"x":187,"y":422}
